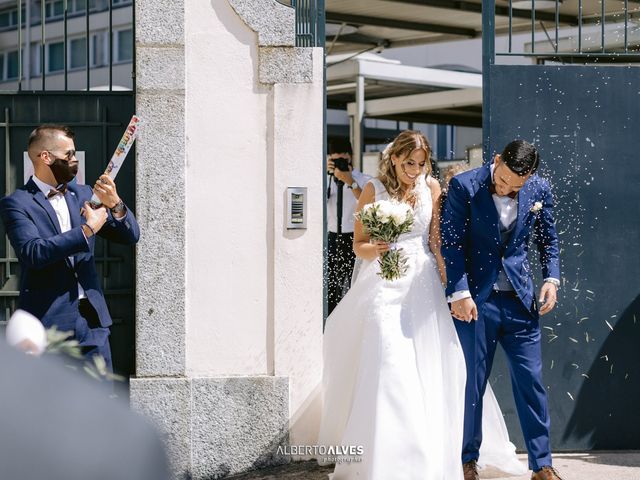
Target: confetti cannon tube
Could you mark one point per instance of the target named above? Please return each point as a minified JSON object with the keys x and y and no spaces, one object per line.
{"x":117,"y":159}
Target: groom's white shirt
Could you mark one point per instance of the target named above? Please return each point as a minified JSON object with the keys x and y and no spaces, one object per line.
{"x":507,"y":209}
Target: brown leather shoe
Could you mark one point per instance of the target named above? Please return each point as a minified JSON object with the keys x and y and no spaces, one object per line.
{"x":470,"y":470}
{"x":545,"y":473}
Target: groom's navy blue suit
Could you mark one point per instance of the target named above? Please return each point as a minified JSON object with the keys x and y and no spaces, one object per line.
{"x":477,"y":248}
{"x":49,"y":280}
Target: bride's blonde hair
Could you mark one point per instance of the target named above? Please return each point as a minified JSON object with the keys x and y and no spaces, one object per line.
{"x":402,"y":147}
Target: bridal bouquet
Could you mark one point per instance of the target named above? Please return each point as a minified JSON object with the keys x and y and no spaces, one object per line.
{"x":386,"y":220}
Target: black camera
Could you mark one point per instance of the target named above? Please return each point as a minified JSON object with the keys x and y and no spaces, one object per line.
{"x":341,"y":164}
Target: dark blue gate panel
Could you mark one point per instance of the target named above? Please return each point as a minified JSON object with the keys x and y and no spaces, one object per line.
{"x":586,"y":124}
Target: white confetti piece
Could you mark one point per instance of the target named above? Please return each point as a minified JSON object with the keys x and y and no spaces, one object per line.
{"x":584,"y":375}
{"x":573,"y":340}
{"x":570,"y":396}
{"x":608,"y":325}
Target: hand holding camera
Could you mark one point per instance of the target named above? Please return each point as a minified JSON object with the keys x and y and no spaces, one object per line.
{"x":340,"y":168}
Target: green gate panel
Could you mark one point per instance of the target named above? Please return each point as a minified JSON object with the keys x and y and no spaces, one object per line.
{"x":584,"y":121}
{"x":99,"y":120}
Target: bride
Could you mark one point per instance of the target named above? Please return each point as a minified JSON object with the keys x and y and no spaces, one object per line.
{"x":394,"y":372}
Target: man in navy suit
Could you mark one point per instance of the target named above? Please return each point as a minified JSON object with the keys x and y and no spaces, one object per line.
{"x":488,"y":218}
{"x":52,"y":229}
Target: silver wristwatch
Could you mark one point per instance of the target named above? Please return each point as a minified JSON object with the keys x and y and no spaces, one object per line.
{"x":553,"y":281}
{"x":118,"y":207}
{"x":354,"y":185}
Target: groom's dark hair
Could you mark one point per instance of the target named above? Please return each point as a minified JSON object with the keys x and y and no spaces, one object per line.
{"x":521,"y":157}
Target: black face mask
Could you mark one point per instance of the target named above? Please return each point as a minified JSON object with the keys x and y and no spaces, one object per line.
{"x":63,"y":172}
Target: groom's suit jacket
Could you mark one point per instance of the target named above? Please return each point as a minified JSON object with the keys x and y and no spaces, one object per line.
{"x":49,"y":281}
{"x":471,"y":241}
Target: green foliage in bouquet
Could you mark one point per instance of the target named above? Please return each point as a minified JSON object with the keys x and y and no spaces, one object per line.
{"x":386,"y":220}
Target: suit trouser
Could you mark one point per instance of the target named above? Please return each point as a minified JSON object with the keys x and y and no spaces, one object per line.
{"x":93,"y":337}
{"x":504,"y":319}
{"x":340,"y":261}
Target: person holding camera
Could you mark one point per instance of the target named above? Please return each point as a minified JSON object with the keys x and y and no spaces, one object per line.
{"x":345,"y":185}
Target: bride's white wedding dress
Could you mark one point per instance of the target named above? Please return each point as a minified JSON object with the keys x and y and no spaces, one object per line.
{"x":394,"y":373}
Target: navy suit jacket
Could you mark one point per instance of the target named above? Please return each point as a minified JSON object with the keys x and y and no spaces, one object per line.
{"x":49,"y":281}
{"x":471,"y":242}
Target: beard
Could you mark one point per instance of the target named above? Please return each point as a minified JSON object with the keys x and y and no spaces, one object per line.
{"x":63,"y":171}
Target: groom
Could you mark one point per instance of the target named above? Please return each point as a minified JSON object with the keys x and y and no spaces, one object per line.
{"x":488,"y":218}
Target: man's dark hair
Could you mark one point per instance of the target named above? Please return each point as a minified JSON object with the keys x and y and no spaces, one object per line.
{"x":521,"y":157}
{"x":340,"y":145}
{"x":43,"y":132}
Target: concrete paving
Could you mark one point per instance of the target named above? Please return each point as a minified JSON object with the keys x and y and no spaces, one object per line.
{"x":572,"y":466}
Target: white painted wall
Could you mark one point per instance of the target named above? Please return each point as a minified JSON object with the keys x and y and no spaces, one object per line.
{"x":254,"y":288}
{"x":298,"y":295}
{"x":228,"y":231}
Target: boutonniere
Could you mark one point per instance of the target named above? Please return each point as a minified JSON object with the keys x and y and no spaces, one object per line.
{"x":536,"y":207}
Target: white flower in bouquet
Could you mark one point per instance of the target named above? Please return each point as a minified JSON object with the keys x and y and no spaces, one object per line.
{"x":385,"y":211}
{"x":386,"y":220}
{"x":400,"y":213}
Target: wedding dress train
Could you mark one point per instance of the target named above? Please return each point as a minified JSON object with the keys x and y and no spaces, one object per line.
{"x":394,"y":374}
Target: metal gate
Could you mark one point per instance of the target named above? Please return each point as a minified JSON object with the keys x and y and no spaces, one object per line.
{"x":581,"y":112}
{"x":90,"y":88}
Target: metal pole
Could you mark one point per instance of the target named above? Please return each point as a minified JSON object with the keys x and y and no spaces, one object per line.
{"x":510,"y":23}
{"x":603,"y":23}
{"x":19,"y":45}
{"x":557,"y":23}
{"x":579,"y":26}
{"x":626,"y":26}
{"x":27,"y":41}
{"x":358,"y":118}
{"x":86,"y":19}
{"x":43,"y":17}
{"x":111,"y":44}
{"x":533,"y":26}
{"x":133,"y":39}
{"x":320,"y":43}
{"x":65,"y":6}
{"x":7,"y":154}
{"x":488,"y":60}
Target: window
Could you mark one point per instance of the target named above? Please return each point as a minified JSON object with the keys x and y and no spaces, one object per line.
{"x":99,"y":49}
{"x":5,"y":19}
{"x":78,"y":52}
{"x":123,"y":46}
{"x":121,"y":2}
{"x":12,"y":65}
{"x":54,"y":8}
{"x":9,"y":17}
{"x":35,"y":60}
{"x":1,"y":66}
{"x":56,"y":57}
{"x":78,"y":6}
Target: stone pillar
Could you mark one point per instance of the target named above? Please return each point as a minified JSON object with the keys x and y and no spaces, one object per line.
{"x":229,"y":303}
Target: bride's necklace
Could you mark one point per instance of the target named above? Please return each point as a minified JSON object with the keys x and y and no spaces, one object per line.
{"x":410,"y":195}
